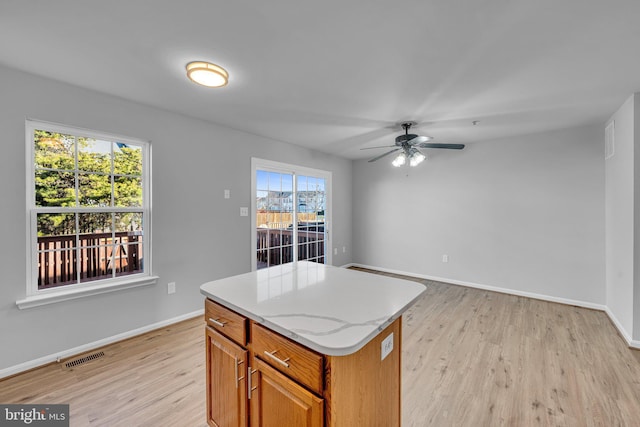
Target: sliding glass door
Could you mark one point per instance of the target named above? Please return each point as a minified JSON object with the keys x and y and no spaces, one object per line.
{"x":290,"y":214}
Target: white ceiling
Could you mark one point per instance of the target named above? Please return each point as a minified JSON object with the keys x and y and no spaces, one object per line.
{"x":338,"y":76}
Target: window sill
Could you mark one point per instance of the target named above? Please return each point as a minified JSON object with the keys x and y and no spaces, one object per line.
{"x":85,"y":291}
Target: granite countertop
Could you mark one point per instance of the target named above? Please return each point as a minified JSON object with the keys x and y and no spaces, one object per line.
{"x":332,"y":310}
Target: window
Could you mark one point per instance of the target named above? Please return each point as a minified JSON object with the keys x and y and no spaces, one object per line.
{"x":290,"y":214}
{"x":88,"y":210}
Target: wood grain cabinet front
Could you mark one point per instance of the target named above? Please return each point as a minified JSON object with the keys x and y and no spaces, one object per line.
{"x":225,"y":321}
{"x":257,"y":377}
{"x":277,"y":401}
{"x":226,"y":381}
{"x":290,"y":358}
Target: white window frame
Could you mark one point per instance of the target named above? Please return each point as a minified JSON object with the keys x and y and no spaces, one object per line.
{"x":295,"y":170}
{"x":37,"y":297}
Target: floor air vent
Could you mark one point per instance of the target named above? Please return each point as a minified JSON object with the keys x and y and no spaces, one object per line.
{"x":76,"y":362}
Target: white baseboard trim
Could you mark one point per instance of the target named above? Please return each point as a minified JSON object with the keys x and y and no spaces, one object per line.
{"x":549,"y":298}
{"x":12,"y":370}
{"x":621,"y":330}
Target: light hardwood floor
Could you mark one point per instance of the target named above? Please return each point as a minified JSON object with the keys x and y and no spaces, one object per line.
{"x":470,"y":358}
{"x":156,"y":379}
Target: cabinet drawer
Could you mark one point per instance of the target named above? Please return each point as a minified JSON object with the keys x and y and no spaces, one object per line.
{"x":294,"y":360}
{"x":226,"y":321}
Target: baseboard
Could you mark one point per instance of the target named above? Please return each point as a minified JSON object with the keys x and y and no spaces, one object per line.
{"x":621,"y":330}
{"x":549,"y":298}
{"x":13,"y":370}
{"x":348,"y":265}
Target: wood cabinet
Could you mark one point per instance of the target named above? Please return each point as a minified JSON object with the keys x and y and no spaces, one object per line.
{"x":226,"y":385}
{"x":279,"y":401}
{"x":260,"y":378}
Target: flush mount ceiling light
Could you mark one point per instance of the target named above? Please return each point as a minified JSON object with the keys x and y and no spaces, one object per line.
{"x":207,"y":74}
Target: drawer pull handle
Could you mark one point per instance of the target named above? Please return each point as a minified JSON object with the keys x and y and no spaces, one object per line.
{"x":276,"y":358}
{"x":217,"y":322}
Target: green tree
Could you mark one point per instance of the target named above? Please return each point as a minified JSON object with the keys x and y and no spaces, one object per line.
{"x":64,"y":163}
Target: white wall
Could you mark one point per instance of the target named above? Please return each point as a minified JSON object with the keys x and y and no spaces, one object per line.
{"x":197,"y":234}
{"x":619,"y":219}
{"x":523,"y":214}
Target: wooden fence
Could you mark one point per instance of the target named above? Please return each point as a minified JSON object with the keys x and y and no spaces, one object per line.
{"x":276,"y":246}
{"x":100,"y":254}
{"x":281,"y":219}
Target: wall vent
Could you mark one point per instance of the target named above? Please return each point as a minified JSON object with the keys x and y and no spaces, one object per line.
{"x":609,"y":140}
{"x":85,"y":359}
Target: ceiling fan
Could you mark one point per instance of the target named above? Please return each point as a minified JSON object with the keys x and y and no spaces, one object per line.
{"x":408,"y":145}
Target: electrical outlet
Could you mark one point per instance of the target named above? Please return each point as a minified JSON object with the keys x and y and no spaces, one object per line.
{"x":227,"y":194}
{"x":171,"y":288}
{"x":445,"y":258}
{"x":244,"y":211}
{"x":386,"y":347}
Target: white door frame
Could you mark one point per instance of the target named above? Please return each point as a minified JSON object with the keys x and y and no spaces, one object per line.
{"x":295,"y":170}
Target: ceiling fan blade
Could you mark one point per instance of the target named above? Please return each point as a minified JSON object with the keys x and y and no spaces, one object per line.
{"x":419,"y":140}
{"x":383,"y":155}
{"x":437,"y":145}
{"x":371,"y":148}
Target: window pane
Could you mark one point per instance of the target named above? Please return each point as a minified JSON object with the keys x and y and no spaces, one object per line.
{"x":287,"y":254}
{"x":55,"y":188}
{"x":129,"y":221}
{"x":287,"y":183}
{"x":303,"y":251}
{"x":274,"y":238}
{"x":129,"y":238}
{"x":287,"y":237}
{"x":54,"y":150}
{"x":262,"y":181}
{"x":58,"y":224}
{"x":302,"y":183}
{"x":100,"y":222}
{"x":128,"y":259}
{"x":262,"y":259}
{"x":275,"y":181}
{"x":127,"y":159}
{"x":94,"y":155}
{"x":56,"y":268}
{"x":94,"y":190}
{"x":96,"y":263}
{"x":128,"y":192}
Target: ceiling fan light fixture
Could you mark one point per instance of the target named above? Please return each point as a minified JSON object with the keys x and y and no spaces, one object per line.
{"x":400,"y":160}
{"x":207,"y":74}
{"x":416,"y":158}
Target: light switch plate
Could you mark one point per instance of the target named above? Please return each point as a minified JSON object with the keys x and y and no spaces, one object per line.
{"x":386,"y":346}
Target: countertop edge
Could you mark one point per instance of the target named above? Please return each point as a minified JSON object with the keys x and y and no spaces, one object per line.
{"x":329,"y":351}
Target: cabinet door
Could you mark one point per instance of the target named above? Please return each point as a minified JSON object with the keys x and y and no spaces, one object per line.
{"x":226,"y":384}
{"x":278,"y":401}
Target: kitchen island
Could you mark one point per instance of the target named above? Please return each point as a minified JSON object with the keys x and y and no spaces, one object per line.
{"x":305,"y":344}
